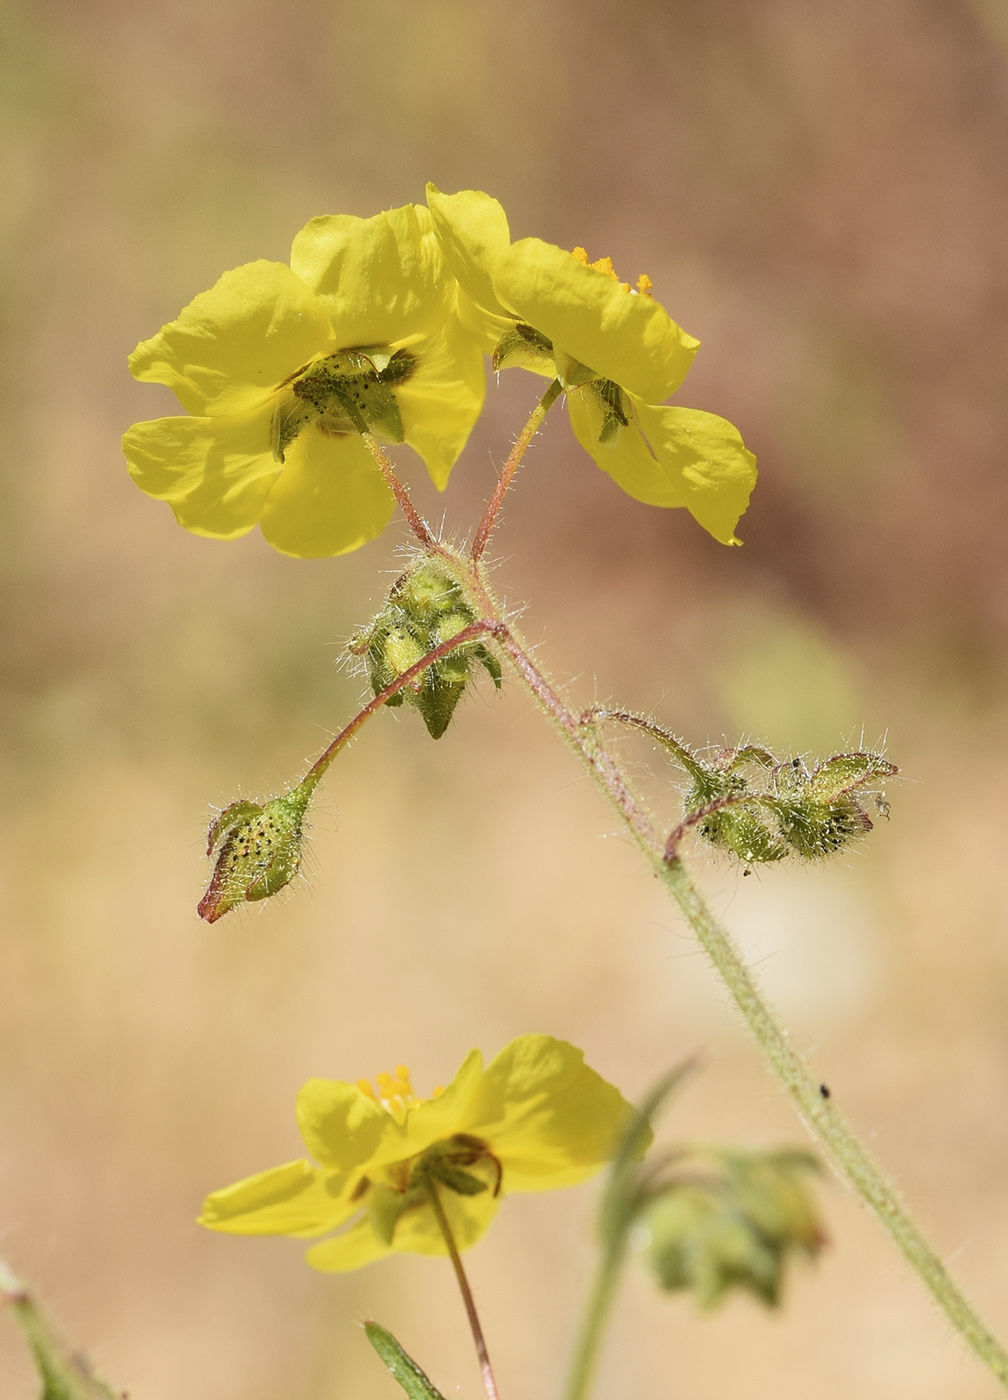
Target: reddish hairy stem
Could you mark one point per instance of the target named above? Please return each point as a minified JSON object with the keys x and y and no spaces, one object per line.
{"x":414,"y":519}
{"x":468,"y":634}
{"x":489,"y":1383}
{"x":511,"y":466}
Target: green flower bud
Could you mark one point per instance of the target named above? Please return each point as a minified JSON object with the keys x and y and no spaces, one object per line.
{"x":258,"y":850}
{"x":425,"y":609}
{"x":731,"y":1226}
{"x":759,"y":809}
{"x":400,"y":651}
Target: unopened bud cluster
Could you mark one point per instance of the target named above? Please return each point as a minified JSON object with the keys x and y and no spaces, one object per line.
{"x":730,"y":1221}
{"x":425,"y":609}
{"x":709,"y":1219}
{"x":760,"y":808}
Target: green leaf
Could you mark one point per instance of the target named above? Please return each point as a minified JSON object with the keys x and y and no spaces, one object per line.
{"x":65,"y":1374}
{"x":625,"y":1194}
{"x":404,"y":1369}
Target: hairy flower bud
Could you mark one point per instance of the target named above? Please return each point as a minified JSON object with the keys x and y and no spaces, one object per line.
{"x":759,"y":808}
{"x":258,"y":848}
{"x":425,"y":609}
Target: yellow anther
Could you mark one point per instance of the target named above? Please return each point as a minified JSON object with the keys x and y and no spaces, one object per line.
{"x":364,"y":1085}
{"x":384,"y":1082}
{"x":437,"y":1091}
{"x":402,"y":1090}
{"x":402,"y":1073}
{"x":605,"y":265}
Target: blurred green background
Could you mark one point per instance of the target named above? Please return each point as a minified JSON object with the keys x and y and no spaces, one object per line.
{"x":819,"y":193}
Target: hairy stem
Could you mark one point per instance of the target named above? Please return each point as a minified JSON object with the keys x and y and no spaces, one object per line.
{"x":468,"y":634}
{"x":821,"y":1116}
{"x":511,"y":466}
{"x":398,"y":488}
{"x":489,"y":1384}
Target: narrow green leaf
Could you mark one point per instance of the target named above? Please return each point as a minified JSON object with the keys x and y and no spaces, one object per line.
{"x":403,"y":1367}
{"x":65,"y":1374}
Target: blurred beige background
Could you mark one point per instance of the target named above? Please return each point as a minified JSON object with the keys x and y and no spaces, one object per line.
{"x":819,"y":193}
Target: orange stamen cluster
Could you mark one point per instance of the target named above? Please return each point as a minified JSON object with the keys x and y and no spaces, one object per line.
{"x":644,"y":283}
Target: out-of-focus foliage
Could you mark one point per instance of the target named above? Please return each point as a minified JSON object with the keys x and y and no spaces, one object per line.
{"x":731,"y":1222}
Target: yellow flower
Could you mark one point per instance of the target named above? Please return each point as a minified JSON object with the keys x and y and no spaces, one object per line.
{"x":536,"y":1118}
{"x":276,"y":364}
{"x":616,"y":351}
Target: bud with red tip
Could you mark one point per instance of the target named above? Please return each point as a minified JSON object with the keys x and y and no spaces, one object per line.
{"x":258,"y":847}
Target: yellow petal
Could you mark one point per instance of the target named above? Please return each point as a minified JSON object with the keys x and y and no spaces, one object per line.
{"x":233,"y":345}
{"x":352,"y":1250}
{"x":708,"y":461}
{"x":549,"y":1119}
{"x":622,"y":336}
{"x":432,"y":1119}
{"x":380,"y":280}
{"x":295,"y":1199}
{"x":472,"y":230}
{"x":343,"y":1127}
{"x":329,"y":499}
{"x":215,"y":473}
{"x":442,"y":399}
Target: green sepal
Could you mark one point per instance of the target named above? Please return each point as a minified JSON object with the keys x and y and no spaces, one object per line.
{"x":401,"y":1365}
{"x":462,"y":1183}
{"x":521,"y":347}
{"x":341,"y":392}
{"x":817,"y":829}
{"x":385,"y":1207}
{"x":489,"y":663}
{"x":744,"y":833}
{"x":615,"y":407}
{"x":437,"y":700}
{"x":228,"y":821}
{"x":847,"y":771}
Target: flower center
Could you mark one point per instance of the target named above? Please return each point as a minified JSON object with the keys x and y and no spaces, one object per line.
{"x":394,"y":1092}
{"x":644,"y":283}
{"x":349,"y":392}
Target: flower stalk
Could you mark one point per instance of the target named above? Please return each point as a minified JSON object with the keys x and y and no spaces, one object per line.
{"x":526,"y":435}
{"x":398,"y":488}
{"x":483,"y":1356}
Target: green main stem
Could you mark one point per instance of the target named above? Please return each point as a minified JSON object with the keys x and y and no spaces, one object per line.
{"x":823,"y":1119}
{"x":825,"y":1122}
